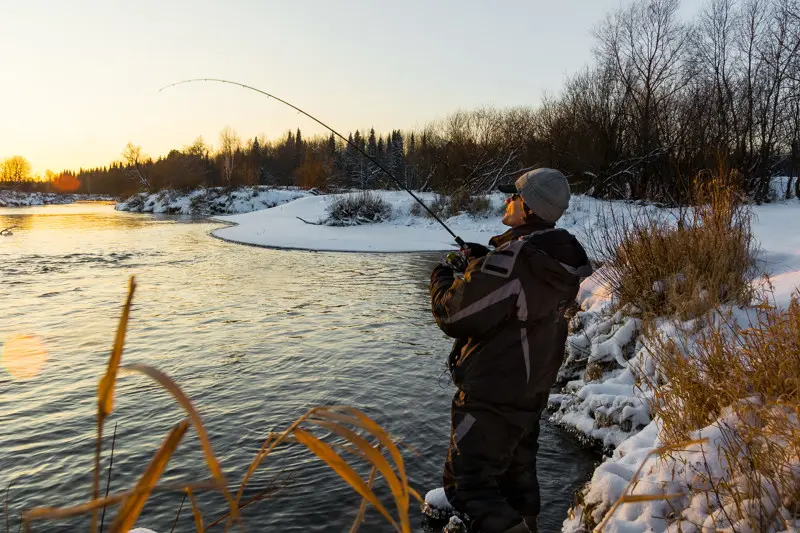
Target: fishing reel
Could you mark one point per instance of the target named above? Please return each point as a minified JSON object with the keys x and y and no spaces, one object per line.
{"x":457,"y":261}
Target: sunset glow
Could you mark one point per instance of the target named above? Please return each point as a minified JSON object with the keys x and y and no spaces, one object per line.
{"x":81,"y":78}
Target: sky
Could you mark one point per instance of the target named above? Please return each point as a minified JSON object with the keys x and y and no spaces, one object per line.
{"x":80,"y":79}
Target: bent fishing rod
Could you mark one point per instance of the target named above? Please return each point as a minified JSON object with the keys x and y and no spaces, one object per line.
{"x":458,"y":239}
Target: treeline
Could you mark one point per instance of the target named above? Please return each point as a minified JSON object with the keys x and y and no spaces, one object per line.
{"x":664,"y":100}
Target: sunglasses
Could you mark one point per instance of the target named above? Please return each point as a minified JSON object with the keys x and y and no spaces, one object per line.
{"x":512,"y":198}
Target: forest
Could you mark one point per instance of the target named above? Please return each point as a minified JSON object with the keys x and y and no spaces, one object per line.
{"x":663,"y":100}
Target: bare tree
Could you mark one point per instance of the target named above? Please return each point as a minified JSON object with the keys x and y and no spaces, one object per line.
{"x":15,"y":169}
{"x":134,"y":161}
{"x":230,"y":144}
{"x":645,"y":45}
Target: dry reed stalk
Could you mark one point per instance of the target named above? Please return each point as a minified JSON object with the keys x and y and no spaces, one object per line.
{"x":105,"y":392}
{"x":746,"y":381}
{"x":268,"y":491}
{"x":339,"y":420}
{"x":131,"y":507}
{"x":178,"y":514}
{"x":345,"y":422}
{"x":205,"y":443}
{"x":198,"y":517}
{"x":683,"y":263}
{"x":58,"y":513}
{"x":363,"y":508}
{"x":344,"y":470}
{"x":108,"y":479}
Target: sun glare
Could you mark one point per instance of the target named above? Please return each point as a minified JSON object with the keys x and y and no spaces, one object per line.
{"x":23,"y":356}
{"x":66,"y":183}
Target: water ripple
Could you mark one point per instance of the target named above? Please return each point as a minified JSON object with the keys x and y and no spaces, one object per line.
{"x":255,"y":337}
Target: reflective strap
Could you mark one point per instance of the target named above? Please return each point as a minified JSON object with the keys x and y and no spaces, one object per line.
{"x":522,"y":304}
{"x":511,"y":288}
{"x":463,"y":427}
{"x":526,"y":354}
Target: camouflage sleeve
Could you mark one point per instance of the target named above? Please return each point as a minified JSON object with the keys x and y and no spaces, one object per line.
{"x":487,"y":295}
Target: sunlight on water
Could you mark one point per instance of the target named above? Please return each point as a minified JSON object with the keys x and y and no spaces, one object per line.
{"x":23,"y":356}
{"x":253,"y":336}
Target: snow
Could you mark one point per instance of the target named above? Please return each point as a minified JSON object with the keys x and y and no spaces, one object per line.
{"x":777,"y":228}
{"x":280,"y":227}
{"x":609,"y":407}
{"x":699,"y":465}
{"x":438,"y":499}
{"x":26,"y":199}
{"x":211,"y":201}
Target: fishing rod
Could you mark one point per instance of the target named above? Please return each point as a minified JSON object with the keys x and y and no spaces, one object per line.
{"x":458,"y":239}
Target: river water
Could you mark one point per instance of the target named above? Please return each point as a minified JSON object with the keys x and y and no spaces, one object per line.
{"x":254,"y":336}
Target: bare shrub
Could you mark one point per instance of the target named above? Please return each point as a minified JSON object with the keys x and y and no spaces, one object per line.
{"x":684,"y":263}
{"x":364,"y":207}
{"x":458,"y":202}
{"x":440,"y":207}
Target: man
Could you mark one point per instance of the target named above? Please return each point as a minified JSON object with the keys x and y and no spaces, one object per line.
{"x":506,"y":313}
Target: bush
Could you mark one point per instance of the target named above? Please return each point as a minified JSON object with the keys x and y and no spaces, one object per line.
{"x":364,"y":207}
{"x":462,"y":201}
{"x":747,"y":379}
{"x":685,"y":266}
{"x":455,"y":204}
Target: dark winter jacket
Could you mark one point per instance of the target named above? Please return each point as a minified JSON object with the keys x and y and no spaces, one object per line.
{"x":507,"y":312}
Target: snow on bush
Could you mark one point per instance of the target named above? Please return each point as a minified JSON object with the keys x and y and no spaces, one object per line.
{"x":364,"y":207}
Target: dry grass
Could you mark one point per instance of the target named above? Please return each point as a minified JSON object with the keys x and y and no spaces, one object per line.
{"x":748,"y":381}
{"x":352,"y":438}
{"x":742,"y":379}
{"x":684,"y":265}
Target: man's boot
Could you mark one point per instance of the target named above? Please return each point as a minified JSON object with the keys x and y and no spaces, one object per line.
{"x":533,"y":523}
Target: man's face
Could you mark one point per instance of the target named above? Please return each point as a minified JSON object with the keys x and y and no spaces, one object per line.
{"x":515,"y":211}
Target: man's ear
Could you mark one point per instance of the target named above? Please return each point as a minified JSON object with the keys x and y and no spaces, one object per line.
{"x":528,"y":212}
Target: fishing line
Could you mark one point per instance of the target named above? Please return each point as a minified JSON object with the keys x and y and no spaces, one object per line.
{"x":458,"y":239}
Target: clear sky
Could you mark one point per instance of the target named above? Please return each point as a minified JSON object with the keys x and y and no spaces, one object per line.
{"x":79,"y":79}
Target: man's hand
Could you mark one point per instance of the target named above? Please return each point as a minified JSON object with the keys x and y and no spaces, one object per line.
{"x":475,"y":250}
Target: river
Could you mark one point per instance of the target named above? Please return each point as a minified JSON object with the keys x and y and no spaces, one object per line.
{"x":254,"y":336}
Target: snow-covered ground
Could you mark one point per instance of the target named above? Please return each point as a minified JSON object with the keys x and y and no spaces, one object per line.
{"x":602,"y":402}
{"x":211,"y":201}
{"x":404,"y":232}
{"x":26,"y":199}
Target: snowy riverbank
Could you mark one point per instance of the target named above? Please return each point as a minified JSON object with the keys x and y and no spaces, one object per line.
{"x":405,"y":231}
{"x":604,"y":402}
{"x":210,"y":201}
{"x":27,"y":199}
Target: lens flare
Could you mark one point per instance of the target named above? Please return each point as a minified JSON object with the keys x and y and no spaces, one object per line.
{"x":66,"y":183}
{"x":23,"y":356}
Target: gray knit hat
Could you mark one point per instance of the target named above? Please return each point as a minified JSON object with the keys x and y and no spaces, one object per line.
{"x":545,"y":191}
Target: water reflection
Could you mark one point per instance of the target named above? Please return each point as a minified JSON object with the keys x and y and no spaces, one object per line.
{"x":253,"y":336}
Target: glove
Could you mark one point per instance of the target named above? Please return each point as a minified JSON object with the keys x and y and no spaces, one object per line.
{"x":475,"y":250}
